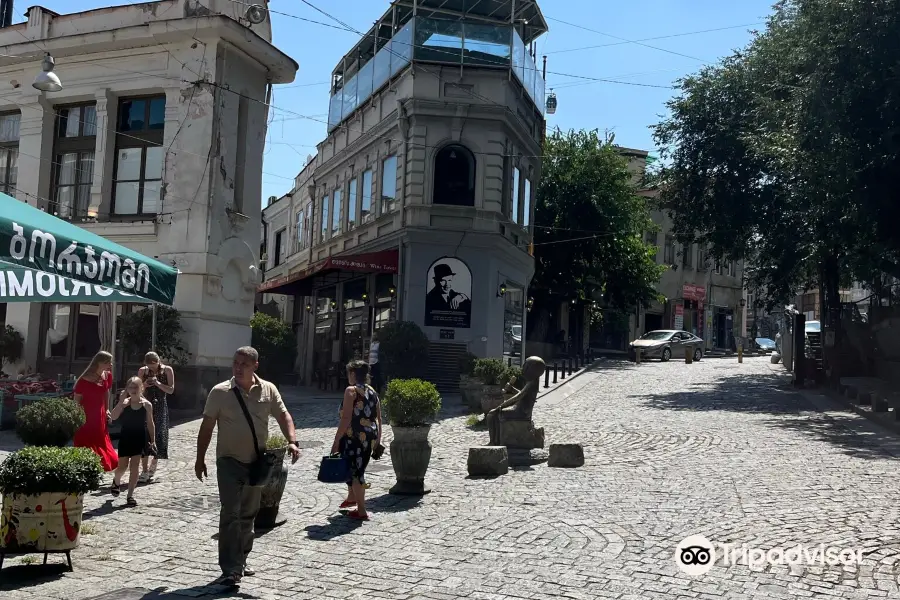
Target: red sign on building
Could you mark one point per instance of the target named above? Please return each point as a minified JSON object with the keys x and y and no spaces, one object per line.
{"x":694,"y":292}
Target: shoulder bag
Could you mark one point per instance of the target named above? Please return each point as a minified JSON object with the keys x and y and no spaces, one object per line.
{"x":261,"y":468}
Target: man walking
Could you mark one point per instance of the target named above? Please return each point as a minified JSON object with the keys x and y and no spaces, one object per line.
{"x":235,"y":455}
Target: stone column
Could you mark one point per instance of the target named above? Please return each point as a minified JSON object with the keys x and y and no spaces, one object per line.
{"x":35,"y":151}
{"x":104,"y":154}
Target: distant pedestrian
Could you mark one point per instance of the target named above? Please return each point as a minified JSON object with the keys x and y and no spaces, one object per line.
{"x":240,"y":408}
{"x":159,"y":383}
{"x":137,"y":437}
{"x":358,"y":434}
{"x":92,"y":393}
{"x":374,"y":366}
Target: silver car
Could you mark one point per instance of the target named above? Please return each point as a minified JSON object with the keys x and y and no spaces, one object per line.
{"x":666,"y":343}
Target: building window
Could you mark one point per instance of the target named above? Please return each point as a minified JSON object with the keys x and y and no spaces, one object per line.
{"x":74,"y":145}
{"x":336,"y":213}
{"x":526,"y":204}
{"x":388,"y":185}
{"x":87,"y":331}
{"x":326,"y":202}
{"x":352,"y":191}
{"x":652,"y":239}
{"x":669,"y":250}
{"x":732,"y":268}
{"x":59,"y":317}
{"x":307,"y":238}
{"x":139,"y":156}
{"x":687,"y":256}
{"x":9,"y":152}
{"x":514,"y":194}
{"x":279,"y":242}
{"x":702,"y":258}
{"x":301,"y":231}
{"x":366,"y":213}
{"x":454,"y":176}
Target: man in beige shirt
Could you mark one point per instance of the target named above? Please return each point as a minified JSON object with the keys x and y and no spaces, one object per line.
{"x":235,"y":455}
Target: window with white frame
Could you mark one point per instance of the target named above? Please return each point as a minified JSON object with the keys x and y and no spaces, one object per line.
{"x":336,"y":213}
{"x":139,"y":156}
{"x":526,"y":204}
{"x":514,"y":210}
{"x":388,"y":185}
{"x":366,"y":212}
{"x":9,"y":152}
{"x":352,"y":191}
{"x":326,"y":228}
{"x":301,"y":230}
{"x":73,"y":168}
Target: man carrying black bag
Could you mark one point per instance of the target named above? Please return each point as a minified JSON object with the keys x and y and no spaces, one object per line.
{"x":241,"y":408}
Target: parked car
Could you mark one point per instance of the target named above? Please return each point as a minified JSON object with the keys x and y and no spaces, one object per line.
{"x":765,"y":344}
{"x":666,"y":343}
{"x":514,"y":339}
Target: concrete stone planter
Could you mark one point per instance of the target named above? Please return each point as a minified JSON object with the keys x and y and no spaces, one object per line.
{"x":492,"y":396}
{"x":46,"y":523}
{"x":410,"y":456}
{"x":272,"y":490}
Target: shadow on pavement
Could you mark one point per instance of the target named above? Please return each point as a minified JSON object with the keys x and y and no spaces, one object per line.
{"x":387,"y":503}
{"x":107,"y":508}
{"x":337,"y":527}
{"x":212,"y":590}
{"x":21,"y":577}
{"x":788,"y":409}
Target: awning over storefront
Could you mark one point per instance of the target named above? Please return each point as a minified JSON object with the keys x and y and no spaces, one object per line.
{"x":300,"y":283}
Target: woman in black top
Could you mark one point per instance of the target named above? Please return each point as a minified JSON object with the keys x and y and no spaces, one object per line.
{"x":159,"y":383}
{"x":137,"y":438}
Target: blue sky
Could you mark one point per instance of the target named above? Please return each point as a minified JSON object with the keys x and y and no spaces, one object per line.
{"x":625,"y":109}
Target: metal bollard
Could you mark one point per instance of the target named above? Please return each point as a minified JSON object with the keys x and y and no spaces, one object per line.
{"x":688,"y":356}
{"x":637,"y":356}
{"x":510,"y":361}
{"x":563,"y":370}
{"x":740,"y":354}
{"x":547,"y":378}
{"x":570,"y":366}
{"x":555,"y":370}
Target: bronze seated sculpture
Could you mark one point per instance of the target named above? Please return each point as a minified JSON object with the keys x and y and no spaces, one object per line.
{"x":510,"y":424}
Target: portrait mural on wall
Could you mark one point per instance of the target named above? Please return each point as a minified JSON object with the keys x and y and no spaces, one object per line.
{"x":448,"y":301}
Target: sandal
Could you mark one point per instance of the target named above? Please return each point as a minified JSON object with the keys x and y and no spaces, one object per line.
{"x":114,"y":489}
{"x":347,"y":503}
{"x":354,"y":514}
{"x":131,"y":501}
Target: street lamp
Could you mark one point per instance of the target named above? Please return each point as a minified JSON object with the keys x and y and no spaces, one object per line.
{"x":47,"y":80}
{"x":743,"y":302}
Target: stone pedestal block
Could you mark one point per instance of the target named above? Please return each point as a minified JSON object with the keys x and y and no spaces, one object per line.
{"x":488,"y":461}
{"x":568,"y":456}
{"x":521,"y":434}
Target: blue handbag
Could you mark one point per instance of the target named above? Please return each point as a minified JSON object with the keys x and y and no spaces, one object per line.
{"x":334,"y":469}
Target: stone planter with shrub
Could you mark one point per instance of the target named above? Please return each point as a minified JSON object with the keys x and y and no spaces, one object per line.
{"x":273,"y":489}
{"x":411,"y":405}
{"x":469,"y":386}
{"x":491,"y":372}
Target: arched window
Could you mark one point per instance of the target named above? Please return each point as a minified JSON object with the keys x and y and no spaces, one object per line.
{"x":454,"y":176}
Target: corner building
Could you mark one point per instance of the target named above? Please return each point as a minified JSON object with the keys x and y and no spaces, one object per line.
{"x":419,"y":203}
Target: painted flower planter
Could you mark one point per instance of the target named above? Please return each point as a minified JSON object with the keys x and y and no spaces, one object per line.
{"x":272,"y":491}
{"x":47,"y":523}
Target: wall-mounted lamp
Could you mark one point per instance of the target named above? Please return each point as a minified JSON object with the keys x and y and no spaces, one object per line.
{"x":501,"y":291}
{"x":308,"y":307}
{"x":365,"y":297}
{"x":530,"y":304}
{"x":333,"y":305}
{"x":743,"y":302}
{"x":392,"y":291}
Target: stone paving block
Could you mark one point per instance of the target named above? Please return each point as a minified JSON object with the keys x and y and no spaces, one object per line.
{"x":487,"y":461}
{"x":566,"y":456}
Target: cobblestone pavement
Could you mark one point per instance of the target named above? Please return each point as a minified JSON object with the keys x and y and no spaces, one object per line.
{"x":717,"y":448}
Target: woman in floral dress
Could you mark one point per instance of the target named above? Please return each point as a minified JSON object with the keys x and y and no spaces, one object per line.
{"x":358,"y":434}
{"x":159,"y":383}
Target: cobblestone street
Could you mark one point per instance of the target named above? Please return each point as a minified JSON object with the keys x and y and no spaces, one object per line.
{"x":716,"y":448}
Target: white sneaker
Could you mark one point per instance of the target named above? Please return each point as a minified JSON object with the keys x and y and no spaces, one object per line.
{"x":144,"y":477}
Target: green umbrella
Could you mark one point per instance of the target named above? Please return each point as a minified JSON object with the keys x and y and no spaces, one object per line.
{"x":33,"y":239}
{"x":18,"y":284}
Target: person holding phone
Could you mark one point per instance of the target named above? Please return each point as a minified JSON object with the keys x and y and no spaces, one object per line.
{"x":159,"y":384}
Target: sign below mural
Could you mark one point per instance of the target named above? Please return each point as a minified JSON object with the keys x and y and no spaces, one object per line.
{"x":448,"y":334}
{"x":693,"y":292}
{"x":448,"y":302}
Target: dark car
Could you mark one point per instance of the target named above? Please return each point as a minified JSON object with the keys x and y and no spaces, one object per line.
{"x":666,"y":343}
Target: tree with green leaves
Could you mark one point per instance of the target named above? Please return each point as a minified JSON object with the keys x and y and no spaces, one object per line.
{"x":135,"y":329}
{"x":590,"y":226}
{"x":784,"y":153}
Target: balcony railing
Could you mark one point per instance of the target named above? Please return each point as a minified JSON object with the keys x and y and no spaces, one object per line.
{"x":439,"y":41}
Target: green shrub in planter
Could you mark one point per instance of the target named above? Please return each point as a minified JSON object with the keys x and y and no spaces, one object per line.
{"x":49,"y":422}
{"x":467,"y":364}
{"x":411,"y":402}
{"x":490,"y":371}
{"x":36,"y":470}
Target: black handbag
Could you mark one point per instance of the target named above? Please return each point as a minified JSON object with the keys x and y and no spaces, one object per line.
{"x":261,"y":469}
{"x":334,"y":469}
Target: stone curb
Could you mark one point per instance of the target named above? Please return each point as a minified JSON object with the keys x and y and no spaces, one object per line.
{"x":886,"y":422}
{"x":561,"y":383}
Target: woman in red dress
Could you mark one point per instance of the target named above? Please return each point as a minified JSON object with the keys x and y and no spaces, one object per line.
{"x":92,"y":393}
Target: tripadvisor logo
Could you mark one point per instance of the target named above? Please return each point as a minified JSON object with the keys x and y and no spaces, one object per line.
{"x":696,"y":555}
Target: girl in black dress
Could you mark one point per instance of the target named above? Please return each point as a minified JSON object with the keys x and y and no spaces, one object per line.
{"x":159,"y":384}
{"x":138,"y":435}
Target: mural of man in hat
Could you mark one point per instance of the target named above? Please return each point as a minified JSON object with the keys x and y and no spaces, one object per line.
{"x":442,"y":297}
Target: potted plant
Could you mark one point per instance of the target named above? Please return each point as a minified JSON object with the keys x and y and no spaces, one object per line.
{"x":273,"y":488}
{"x":490,"y":372}
{"x":43,"y":491}
{"x":49,"y":422}
{"x":469,"y":387}
{"x":411,"y":405}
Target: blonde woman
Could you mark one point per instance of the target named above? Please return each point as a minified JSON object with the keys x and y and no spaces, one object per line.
{"x":92,"y":393}
{"x":137,"y":438}
{"x":159,"y":383}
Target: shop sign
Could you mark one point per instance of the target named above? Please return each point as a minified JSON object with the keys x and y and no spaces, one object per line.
{"x":448,"y":300}
{"x":693,"y":292}
{"x":448,"y":334}
{"x":679,"y":316}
